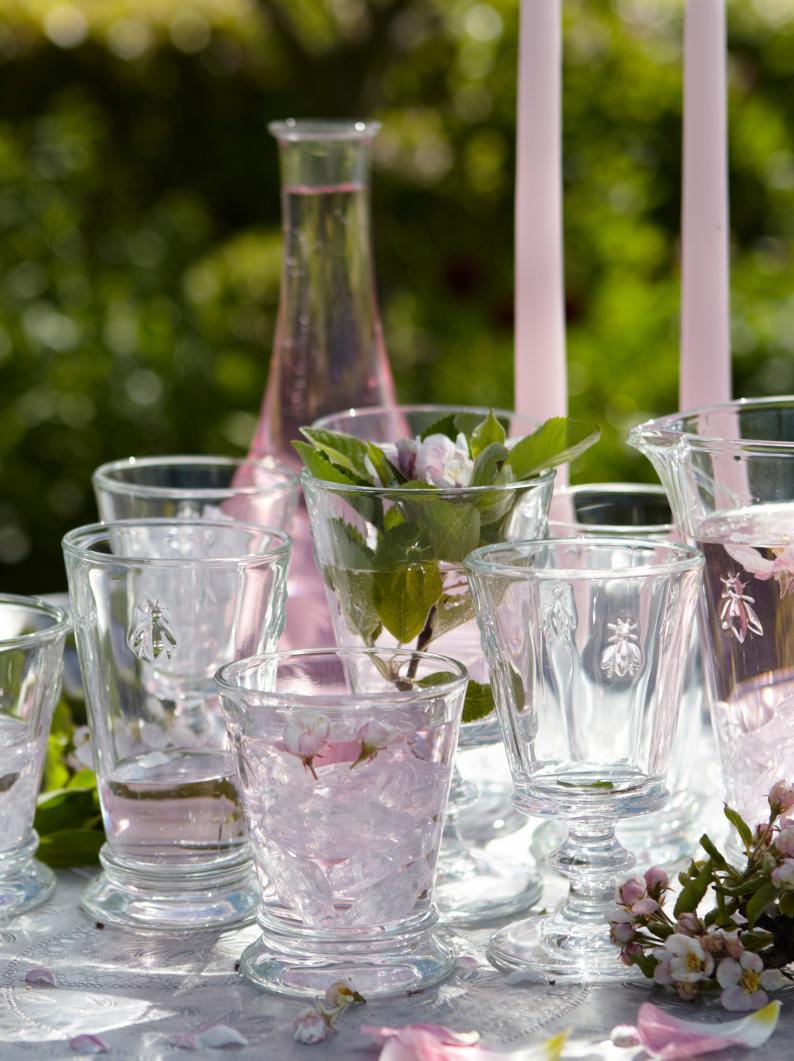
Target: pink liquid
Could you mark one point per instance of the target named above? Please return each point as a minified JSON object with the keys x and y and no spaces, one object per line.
{"x":174,"y":806}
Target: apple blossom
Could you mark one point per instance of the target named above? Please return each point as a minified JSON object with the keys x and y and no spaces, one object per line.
{"x":305,"y":735}
{"x":310,"y":1027}
{"x":744,"y":982}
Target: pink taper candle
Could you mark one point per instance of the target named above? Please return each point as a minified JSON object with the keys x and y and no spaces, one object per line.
{"x":540,"y":369}
{"x":705,"y":322}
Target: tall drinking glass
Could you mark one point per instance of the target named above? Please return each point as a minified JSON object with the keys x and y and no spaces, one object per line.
{"x":729,"y":473}
{"x":632,"y":510}
{"x":31,"y":656}
{"x":254,"y":491}
{"x":392,"y":561}
{"x":158,"y":605}
{"x":345,"y":758}
{"x":586,"y":640}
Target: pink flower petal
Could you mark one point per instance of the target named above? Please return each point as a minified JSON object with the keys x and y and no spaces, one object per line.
{"x":88,"y":1044}
{"x":667,"y":1038}
{"x":751,"y":560}
{"x":39,"y":975}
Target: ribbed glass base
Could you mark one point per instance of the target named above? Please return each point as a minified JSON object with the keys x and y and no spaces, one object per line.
{"x":24,"y":882}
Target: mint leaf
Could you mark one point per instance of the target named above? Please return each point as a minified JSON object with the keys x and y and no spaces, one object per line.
{"x":466,"y":424}
{"x":71,"y":847}
{"x":399,"y":545}
{"x":694,"y":889}
{"x":448,"y":529}
{"x":739,"y":824}
{"x":758,"y":902}
{"x":452,"y":610}
{"x":403,"y":597}
{"x":323,"y":468}
{"x":556,"y":441}
{"x":387,"y":472}
{"x":479,"y":701}
{"x":345,"y":546}
{"x":605,"y":785}
{"x":353,"y":591}
{"x":485,"y":434}
{"x":346,"y":451}
{"x":445,"y":425}
{"x":489,"y":463}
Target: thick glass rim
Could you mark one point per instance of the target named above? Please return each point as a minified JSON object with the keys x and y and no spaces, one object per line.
{"x":485,"y":560}
{"x":81,"y":543}
{"x":104,"y":477}
{"x":617,"y":530}
{"x":225,"y":679}
{"x":61,"y":623}
{"x":671,"y":428}
{"x":298,"y":129}
{"x":442,"y":408}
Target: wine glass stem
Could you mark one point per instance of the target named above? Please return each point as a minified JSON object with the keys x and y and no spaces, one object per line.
{"x":591,"y":858}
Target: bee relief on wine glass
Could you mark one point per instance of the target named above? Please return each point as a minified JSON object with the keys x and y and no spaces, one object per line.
{"x":622,"y":658}
{"x":736,"y":611}
{"x":150,"y":636}
{"x":557,"y":617}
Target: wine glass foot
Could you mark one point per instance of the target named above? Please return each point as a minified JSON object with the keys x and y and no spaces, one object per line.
{"x":483,"y":889}
{"x":550,"y":948}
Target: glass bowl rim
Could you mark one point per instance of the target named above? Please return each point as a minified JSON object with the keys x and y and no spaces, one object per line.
{"x":317,"y":701}
{"x":102,"y":477}
{"x":80,"y":543}
{"x":687,"y":558}
{"x":360,"y":411}
{"x":297,"y":130}
{"x":61,"y":622}
{"x":617,"y":530}
{"x":662,"y":430}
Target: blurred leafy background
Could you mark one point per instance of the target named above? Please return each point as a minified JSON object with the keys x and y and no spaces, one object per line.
{"x":139,"y":218}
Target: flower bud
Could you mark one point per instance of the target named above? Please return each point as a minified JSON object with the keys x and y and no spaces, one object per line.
{"x":374,"y":734}
{"x":631,"y":891}
{"x":781,"y":797}
{"x":309,"y":1027}
{"x":645,"y":907}
{"x":656,"y":880}
{"x":784,"y":841}
{"x":688,"y":925}
{"x":305,"y":734}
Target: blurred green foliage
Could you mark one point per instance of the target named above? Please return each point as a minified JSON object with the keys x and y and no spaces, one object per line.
{"x":139,"y":228}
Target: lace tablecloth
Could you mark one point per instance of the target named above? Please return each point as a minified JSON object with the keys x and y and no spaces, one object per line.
{"x":140,"y":991}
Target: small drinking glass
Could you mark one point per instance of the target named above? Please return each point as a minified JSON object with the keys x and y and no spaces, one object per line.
{"x":641,"y":510}
{"x":586,"y":640}
{"x":345,"y":757}
{"x":31,"y":656}
{"x":158,"y":605}
{"x":253,"y":491}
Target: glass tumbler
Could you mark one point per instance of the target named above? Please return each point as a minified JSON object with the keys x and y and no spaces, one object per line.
{"x":586,"y":640}
{"x":31,"y":656}
{"x":632,"y":510}
{"x":345,"y":757}
{"x":254,"y":491}
{"x":157,"y":606}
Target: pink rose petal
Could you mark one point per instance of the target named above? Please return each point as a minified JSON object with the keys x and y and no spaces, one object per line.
{"x":39,"y":975}
{"x":88,"y":1044}
{"x":667,"y":1038}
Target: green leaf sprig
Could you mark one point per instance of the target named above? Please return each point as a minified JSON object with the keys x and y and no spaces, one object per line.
{"x":396,"y":564}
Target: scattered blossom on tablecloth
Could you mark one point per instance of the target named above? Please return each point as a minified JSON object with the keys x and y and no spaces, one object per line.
{"x":433,"y":1042}
{"x":668,"y":1038}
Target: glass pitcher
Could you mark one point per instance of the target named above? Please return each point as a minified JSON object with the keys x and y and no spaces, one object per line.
{"x":729,"y":473}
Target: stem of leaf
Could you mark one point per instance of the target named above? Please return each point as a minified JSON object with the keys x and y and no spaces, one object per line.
{"x":424,"y":638}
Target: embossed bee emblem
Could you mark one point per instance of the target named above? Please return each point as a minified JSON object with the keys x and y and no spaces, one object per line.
{"x":150,"y":636}
{"x":622,"y":657}
{"x":736,"y":613}
{"x":559,"y":622}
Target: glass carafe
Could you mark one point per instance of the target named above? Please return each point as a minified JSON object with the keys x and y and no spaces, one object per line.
{"x":328,"y":352}
{"x":729,"y":473}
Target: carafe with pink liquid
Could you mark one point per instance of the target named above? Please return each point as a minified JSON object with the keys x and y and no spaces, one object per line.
{"x":729,"y":474}
{"x":328,"y":353}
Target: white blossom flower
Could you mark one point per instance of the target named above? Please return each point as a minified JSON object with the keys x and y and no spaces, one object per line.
{"x":309,"y":1027}
{"x":442,"y":462}
{"x":783,"y":875}
{"x":745,"y":982}
{"x":82,"y":755}
{"x":682,"y":960}
{"x":784,"y":841}
{"x":305,"y":735}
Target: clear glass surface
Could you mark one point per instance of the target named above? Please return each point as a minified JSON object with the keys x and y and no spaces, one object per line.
{"x":642,"y":510}
{"x":345,"y":758}
{"x":729,"y":473}
{"x":31,"y":654}
{"x":158,"y":605}
{"x":262,"y":491}
{"x":328,"y":351}
{"x":353,"y":529}
{"x":586,"y":640}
